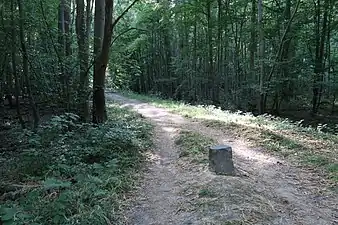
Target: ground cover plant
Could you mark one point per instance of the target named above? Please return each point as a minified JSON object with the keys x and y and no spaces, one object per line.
{"x":70,"y":172}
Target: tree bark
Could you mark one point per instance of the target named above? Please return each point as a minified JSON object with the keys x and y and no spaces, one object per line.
{"x":219,"y":53}
{"x":14,"y":69}
{"x":261,"y":57}
{"x":68,"y":50}
{"x":83,"y":56}
{"x":99,"y":105}
{"x":35,"y":112}
{"x":103,"y":34}
{"x":253,"y":33}
{"x":319,"y":58}
{"x":62,"y":46}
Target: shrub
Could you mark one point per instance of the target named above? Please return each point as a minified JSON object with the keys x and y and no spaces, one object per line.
{"x":74,"y":173}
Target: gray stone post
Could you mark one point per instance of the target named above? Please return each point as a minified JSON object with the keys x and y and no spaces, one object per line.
{"x":220,"y":160}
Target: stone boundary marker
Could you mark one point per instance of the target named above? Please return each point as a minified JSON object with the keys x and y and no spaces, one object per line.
{"x":220,"y":160}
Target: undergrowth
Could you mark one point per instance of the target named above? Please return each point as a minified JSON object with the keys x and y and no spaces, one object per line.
{"x":309,"y":146}
{"x":73,"y":173}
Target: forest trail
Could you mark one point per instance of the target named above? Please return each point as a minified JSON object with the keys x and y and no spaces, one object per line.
{"x":267,"y":191}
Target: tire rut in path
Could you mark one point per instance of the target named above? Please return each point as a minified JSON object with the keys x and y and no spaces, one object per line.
{"x":285,"y":191}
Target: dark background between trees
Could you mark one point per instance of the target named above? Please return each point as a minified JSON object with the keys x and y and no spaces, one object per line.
{"x":275,"y":56}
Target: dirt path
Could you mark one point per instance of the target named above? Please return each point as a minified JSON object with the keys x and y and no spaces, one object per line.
{"x":270,"y":192}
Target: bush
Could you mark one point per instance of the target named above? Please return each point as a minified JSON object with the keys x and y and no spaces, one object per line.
{"x":73,"y":173}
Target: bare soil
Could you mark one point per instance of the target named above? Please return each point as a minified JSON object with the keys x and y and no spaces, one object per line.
{"x":266,"y":190}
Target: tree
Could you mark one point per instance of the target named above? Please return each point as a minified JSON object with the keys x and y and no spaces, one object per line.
{"x":229,"y":54}
{"x":103,"y":31}
{"x":82,"y":31}
{"x":13,"y":66}
{"x":261,"y":56}
{"x":36,"y":117}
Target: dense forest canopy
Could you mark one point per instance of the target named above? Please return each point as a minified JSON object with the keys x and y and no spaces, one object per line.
{"x":261,"y":56}
{"x":254,"y":55}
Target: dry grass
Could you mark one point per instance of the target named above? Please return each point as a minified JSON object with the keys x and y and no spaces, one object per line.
{"x":194,"y":145}
{"x":313,"y":151}
{"x":230,"y":200}
{"x":218,"y":199}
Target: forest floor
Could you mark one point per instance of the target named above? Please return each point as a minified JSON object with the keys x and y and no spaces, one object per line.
{"x":178,"y":188}
{"x":69,"y":172}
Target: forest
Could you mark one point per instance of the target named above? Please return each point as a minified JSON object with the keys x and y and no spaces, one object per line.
{"x":274,"y":57}
{"x":67,"y":144}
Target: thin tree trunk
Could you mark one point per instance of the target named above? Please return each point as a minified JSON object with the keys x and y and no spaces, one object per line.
{"x":219,"y":52}
{"x":282,"y":91}
{"x":210,"y":64}
{"x":320,"y":49}
{"x":62,"y":47}
{"x":280,"y":48}
{"x":14,"y":69}
{"x":68,"y":50}
{"x":35,"y":112}
{"x":195,"y":59}
{"x":253,"y":44}
{"x":261,"y":56}
{"x":83,"y":56}
{"x":99,"y":111}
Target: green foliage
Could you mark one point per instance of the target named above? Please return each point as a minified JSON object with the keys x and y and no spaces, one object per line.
{"x":197,"y":51}
{"x":75,"y":173}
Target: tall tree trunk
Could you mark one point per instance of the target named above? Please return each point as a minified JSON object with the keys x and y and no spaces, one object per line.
{"x":219,"y":52}
{"x":283,"y":90}
{"x":62,"y":47}
{"x":104,"y":26}
{"x":83,"y":56}
{"x":278,"y":56}
{"x":319,"y":69}
{"x":167,"y":52}
{"x":14,"y":69}
{"x":253,"y":45}
{"x":261,"y":57}
{"x":195,"y":59}
{"x":99,"y":105}
{"x":67,"y":27}
{"x":210,"y":63}
{"x":35,"y":112}
{"x":68,"y":50}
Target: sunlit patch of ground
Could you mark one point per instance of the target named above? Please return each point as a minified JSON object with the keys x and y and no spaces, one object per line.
{"x":257,"y":194}
{"x":307,"y":146}
{"x":233,"y":200}
{"x":267,"y":189}
{"x":312,"y":151}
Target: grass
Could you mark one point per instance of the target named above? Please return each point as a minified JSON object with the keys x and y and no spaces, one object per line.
{"x":308,"y":146}
{"x":194,"y":146}
{"x":73,"y":173}
{"x":231,"y":200}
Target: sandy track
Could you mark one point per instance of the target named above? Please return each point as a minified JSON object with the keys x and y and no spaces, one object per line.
{"x":267,"y":190}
